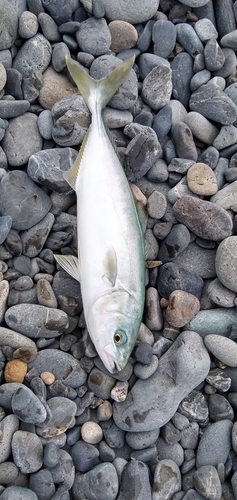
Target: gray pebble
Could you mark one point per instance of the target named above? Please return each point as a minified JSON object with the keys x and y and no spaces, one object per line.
{"x":63,"y":284}
{"x":84,"y":455}
{"x":141,"y":153}
{"x":135,"y":473}
{"x":131,"y":14}
{"x":27,"y":407}
{"x":214,"y":57}
{"x":215,"y":321}
{"x":62,"y":365}
{"x":64,"y":472}
{"x":41,"y":482}
{"x":182,"y":73}
{"x":11,"y":109}
{"x":107,"y":454}
{"x":219,"y":408}
{"x":25,"y":444}
{"x":8,"y":426}
{"x":14,"y":87}
{"x":5,"y":226}
{"x":201,"y":128}
{"x":214,"y":104}
{"x":215,"y":444}
{"x":101,"y":482}
{"x":176,"y":241}
{"x":36,"y":321}
{"x":145,"y":371}
{"x":13,"y":492}
{"x":146,"y":455}
{"x":220,"y":295}
{"x":28,"y":24}
{"x":164,"y":37}
{"x":205,"y":29}
{"x":141,"y":440}
{"x":222,"y":348}
{"x":157,"y":87}
{"x":200,"y":78}
{"x":226,"y":197}
{"x":34,"y":238}
{"x":189,"y":436}
{"x":22,"y":264}
{"x":174,"y":277}
{"x":144,"y":39}
{"x":207,"y":482}
{"x":147,"y":62}
{"x":51,"y":454}
{"x":60,"y":51}
{"x":8,"y":25}
{"x":226,"y":262}
{"x":154,"y":417}
{"x":195,"y":407}
{"x":46,"y":167}
{"x":49,"y":27}
{"x":8,"y":473}
{"x":45,"y":124}
{"x":35,"y":54}
{"x":167,"y":480}
{"x":17,"y":186}
{"x":62,"y":412}
{"x":94,"y":36}
{"x":219,"y":380}
{"x":156,"y":205}
{"x":153,"y":312}
{"x":22,"y":139}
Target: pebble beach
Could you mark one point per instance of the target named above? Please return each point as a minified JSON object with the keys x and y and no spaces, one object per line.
{"x":165,"y":427}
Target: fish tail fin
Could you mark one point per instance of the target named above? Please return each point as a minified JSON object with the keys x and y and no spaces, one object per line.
{"x":97,"y":93}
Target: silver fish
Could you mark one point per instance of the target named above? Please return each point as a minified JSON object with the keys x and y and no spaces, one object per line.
{"x":111,"y":255}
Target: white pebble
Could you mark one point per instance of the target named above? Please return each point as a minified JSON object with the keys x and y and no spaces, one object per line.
{"x":91,"y":432}
{"x":119,"y":391}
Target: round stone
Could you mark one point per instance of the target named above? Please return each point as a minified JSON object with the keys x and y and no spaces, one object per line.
{"x":28,"y":24}
{"x":48,"y":378}
{"x":22,"y":139}
{"x":15,"y":371}
{"x":181,"y":308}
{"x":91,"y":432}
{"x":222,"y":348}
{"x":207,"y":482}
{"x":226,"y":262}
{"x":55,"y":87}
{"x":123,"y":36}
{"x":202,"y":180}
{"x":94,"y":36}
{"x":135,"y":12}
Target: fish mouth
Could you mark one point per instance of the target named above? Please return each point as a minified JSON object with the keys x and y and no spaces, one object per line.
{"x":112,"y":363}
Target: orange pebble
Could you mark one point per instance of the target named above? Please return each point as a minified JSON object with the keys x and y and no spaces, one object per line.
{"x":15,"y":371}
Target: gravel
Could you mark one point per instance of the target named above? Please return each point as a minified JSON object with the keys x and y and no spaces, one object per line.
{"x":164,"y":427}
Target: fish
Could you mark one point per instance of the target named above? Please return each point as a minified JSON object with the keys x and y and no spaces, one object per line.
{"x":110,"y":229}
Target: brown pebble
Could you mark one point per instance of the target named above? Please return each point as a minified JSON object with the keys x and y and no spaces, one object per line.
{"x":104,"y":411}
{"x":15,"y":371}
{"x":123,"y":36}
{"x":26,"y":353}
{"x":202,"y":180}
{"x":55,"y":87}
{"x":182,"y":307}
{"x":48,"y":378}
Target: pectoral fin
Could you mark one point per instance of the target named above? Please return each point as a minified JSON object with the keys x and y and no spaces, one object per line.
{"x":70,"y":264}
{"x":110,"y":266}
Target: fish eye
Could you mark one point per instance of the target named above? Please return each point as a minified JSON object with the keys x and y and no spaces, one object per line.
{"x":120,"y":337}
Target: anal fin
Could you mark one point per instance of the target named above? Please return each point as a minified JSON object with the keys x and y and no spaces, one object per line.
{"x":70,"y":264}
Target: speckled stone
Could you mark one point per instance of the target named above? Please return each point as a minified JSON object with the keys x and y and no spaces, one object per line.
{"x":55,"y":87}
{"x":207,"y":482}
{"x":222,"y":348}
{"x":15,"y":371}
{"x":157,"y":87}
{"x":24,"y":445}
{"x":101,"y":482}
{"x":22,"y":139}
{"x":34,"y":55}
{"x":167,"y":477}
{"x":202,"y":180}
{"x":136,"y":12}
{"x":36,"y":321}
{"x":123,"y":36}
{"x":226,"y":262}
{"x":214,"y":321}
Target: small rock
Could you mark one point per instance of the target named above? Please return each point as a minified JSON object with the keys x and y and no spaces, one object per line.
{"x":215,"y":444}
{"x":176,"y":241}
{"x":27,"y":407}
{"x":219,"y":408}
{"x":63,"y":366}
{"x":214,"y":321}
{"x":49,"y":27}
{"x":54,"y":88}
{"x":219,"y":380}
{"x":213,"y":103}
{"x":94,"y":36}
{"x":135,"y":481}
{"x":28,"y":24}
{"x":222,"y":348}
{"x":21,"y":139}
{"x":167,"y":480}
{"x":123,"y":36}
{"x":137,"y":12}
{"x":201,"y":128}
{"x":34,"y":55}
{"x":226,"y":262}
{"x":207,"y":482}
{"x":85,"y":457}
{"x":157,"y":87}
{"x":100,"y":383}
{"x":101,"y":482}
{"x":91,"y":432}
{"x":24,"y":445}
{"x":220,"y":295}
{"x":8,"y":25}
{"x":202,"y":180}
{"x":15,"y":371}
{"x":41,"y":482}
{"x":36,"y":321}
{"x":181,"y":308}
{"x":119,"y":391}
{"x":8,"y":426}
{"x":61,"y":417}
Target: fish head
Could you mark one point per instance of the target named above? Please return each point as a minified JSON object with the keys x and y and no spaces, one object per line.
{"x":113,"y":324}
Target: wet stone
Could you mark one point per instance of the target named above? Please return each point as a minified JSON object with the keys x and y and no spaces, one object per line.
{"x":202,"y":180}
{"x":36,"y":321}
{"x":25,"y":444}
{"x":204,"y":218}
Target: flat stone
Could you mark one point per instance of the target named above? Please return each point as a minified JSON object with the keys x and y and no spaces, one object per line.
{"x":27,"y":407}
{"x":164,"y":37}
{"x":222,"y":348}
{"x":183,"y":140}
{"x":205,"y":29}
{"x":8,"y":25}
{"x":207,"y":482}
{"x":202,"y":180}
{"x":94,"y":36}
{"x":141,"y":153}
{"x":213,"y":103}
{"x":230,"y":40}
{"x":8,"y":426}
{"x":46,"y":167}
{"x":63,"y":365}
{"x":201,"y":128}
{"x":174,"y":277}
{"x":147,"y":62}
{"x":49,"y":27}
{"x":24,"y":445}
{"x":21,"y":199}
{"x":34,"y":238}
{"x":62,"y":412}
{"x":167,"y":480}
{"x":21,"y":139}
{"x":136,"y":12}
{"x":182,"y":307}
{"x":135,"y":478}
{"x":226,"y":262}
{"x":214,"y":57}
{"x":157,"y":87}
{"x":135,"y":414}
{"x":36,"y":321}
{"x":229,"y":64}
{"x":174,"y":243}
{"x":214,"y":321}
{"x":198,"y":260}
{"x":34,"y":55}
{"x":226,"y":197}
{"x":189,"y":39}
{"x":215,"y":444}
{"x":204,"y":218}
{"x":220,"y":295}
{"x":12,"y":492}
{"x":42,"y":484}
